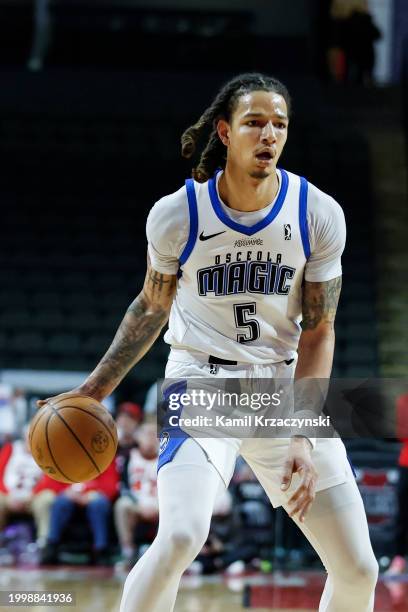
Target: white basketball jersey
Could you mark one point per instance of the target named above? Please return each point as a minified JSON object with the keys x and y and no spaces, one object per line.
{"x":142,"y":474}
{"x":239,"y":286}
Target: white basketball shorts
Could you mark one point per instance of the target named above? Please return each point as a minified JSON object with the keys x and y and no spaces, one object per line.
{"x":265,"y":456}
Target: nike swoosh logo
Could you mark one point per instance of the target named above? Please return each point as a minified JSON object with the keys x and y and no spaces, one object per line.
{"x":202,"y":237}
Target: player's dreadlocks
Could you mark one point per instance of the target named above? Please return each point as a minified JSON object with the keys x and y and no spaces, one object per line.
{"x":213,"y":153}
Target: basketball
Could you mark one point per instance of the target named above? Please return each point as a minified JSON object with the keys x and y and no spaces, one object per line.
{"x":73,"y":439}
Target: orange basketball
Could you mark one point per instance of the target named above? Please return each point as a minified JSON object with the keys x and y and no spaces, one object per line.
{"x":73,"y":439}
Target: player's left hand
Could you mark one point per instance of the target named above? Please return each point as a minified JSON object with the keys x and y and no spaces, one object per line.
{"x":299,"y":460}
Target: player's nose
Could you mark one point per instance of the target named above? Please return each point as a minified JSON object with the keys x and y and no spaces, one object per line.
{"x":268,"y":134}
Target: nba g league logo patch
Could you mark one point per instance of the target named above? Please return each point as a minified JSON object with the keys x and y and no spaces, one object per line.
{"x":287,"y":231}
{"x":164,"y":440}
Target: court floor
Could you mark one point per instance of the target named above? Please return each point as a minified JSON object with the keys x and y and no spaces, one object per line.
{"x":99,"y":589}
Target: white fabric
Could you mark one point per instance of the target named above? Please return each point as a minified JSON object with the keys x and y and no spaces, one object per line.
{"x":168,"y":226}
{"x":264,"y":455}
{"x":188,"y":488}
{"x":232,"y":278}
{"x":261,"y":273}
{"x":335,"y":525}
{"x":327,"y":236}
{"x":21,"y":472}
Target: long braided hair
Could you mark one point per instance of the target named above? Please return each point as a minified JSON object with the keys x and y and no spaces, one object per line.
{"x":213,"y":151}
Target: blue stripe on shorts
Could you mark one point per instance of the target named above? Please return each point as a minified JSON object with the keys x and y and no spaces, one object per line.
{"x":171,"y":438}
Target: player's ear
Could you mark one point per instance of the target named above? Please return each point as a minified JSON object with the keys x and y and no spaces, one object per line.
{"x":223,"y":130}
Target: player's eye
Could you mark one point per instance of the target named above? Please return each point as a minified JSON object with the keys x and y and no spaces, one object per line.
{"x":252,"y":123}
{"x":280,"y":125}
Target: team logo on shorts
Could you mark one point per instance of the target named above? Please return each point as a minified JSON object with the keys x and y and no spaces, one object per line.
{"x":288,"y":231}
{"x":164,"y":440}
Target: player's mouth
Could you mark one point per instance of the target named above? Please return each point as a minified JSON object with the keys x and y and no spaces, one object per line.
{"x":265,"y":157}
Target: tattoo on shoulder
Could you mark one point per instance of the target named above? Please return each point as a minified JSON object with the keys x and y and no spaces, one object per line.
{"x":319,"y":302}
{"x":158,"y":283}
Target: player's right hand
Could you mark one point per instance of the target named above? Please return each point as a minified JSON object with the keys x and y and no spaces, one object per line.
{"x":56,"y":398}
{"x":299,"y":460}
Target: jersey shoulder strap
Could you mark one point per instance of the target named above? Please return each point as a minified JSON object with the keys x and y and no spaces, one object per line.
{"x":304,"y":230}
{"x":193,"y":214}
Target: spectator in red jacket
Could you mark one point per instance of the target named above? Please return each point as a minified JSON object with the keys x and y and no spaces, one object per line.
{"x":96,"y":497}
{"x":128,"y":418}
{"x":18,"y":476}
{"x":399,"y":562}
{"x":138,"y":502}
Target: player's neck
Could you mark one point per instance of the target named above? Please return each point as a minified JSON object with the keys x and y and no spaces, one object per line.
{"x":242,"y":192}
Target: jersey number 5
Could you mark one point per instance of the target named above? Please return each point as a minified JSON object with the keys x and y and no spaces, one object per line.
{"x":241,"y":312}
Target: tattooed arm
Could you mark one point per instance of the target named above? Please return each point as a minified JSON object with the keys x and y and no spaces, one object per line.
{"x":139,"y":328}
{"x":316,"y":348}
{"x":316,"y":344}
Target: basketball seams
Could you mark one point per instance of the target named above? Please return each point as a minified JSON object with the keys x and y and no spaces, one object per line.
{"x":92,"y":415}
{"x":36,"y":423}
{"x":76,"y":437}
{"x":67,"y":397}
{"x":50,"y":451}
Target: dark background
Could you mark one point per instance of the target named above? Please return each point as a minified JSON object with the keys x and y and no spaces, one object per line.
{"x":94,"y":97}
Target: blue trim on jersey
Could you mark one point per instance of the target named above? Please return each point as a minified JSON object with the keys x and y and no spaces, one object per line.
{"x":193,"y":210}
{"x":171,"y":438}
{"x":304,"y":231}
{"x":245,"y":229}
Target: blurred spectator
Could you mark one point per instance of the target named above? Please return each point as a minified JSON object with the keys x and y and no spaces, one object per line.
{"x":336,"y":57}
{"x":6,"y":413}
{"x":360,"y":35}
{"x":138,"y":502}
{"x":20,"y":410}
{"x":13,"y":412}
{"x":128,"y":417}
{"x":399,"y":562}
{"x":18,"y":476}
{"x":242,"y":472}
{"x":45,"y":492}
{"x":95,"y":497}
{"x":150,"y":403}
{"x":351,"y":48}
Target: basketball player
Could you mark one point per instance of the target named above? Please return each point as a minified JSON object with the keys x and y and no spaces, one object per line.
{"x":237,"y":259}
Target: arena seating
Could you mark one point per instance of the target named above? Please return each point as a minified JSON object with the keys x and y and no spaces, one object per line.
{"x":73,"y":242}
